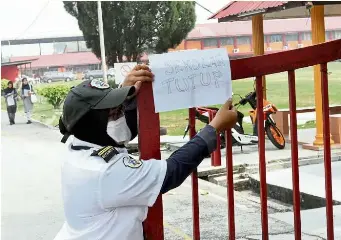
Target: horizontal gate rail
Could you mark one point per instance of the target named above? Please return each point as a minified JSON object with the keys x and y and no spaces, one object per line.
{"x":286,"y":60}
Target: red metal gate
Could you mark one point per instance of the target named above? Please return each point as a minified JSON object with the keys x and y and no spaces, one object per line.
{"x":258,"y":66}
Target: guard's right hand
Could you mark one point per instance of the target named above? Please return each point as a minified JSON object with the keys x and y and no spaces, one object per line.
{"x":225,"y":118}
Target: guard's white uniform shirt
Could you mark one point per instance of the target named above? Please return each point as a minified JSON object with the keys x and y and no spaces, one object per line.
{"x":106,"y":201}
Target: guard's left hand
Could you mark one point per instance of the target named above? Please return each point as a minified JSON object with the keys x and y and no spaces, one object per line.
{"x":140,"y":73}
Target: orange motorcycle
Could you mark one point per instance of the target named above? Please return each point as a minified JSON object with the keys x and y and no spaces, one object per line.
{"x":239,"y":138}
{"x":271,"y":130}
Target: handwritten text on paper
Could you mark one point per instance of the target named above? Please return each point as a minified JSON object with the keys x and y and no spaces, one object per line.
{"x":190,"y":79}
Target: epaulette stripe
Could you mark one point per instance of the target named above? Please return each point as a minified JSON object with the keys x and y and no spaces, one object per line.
{"x":104,"y":150}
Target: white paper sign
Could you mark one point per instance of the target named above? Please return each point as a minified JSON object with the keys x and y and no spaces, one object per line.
{"x":191,"y":79}
{"x":122,"y":69}
{"x":10,"y":100}
{"x":26,"y":92}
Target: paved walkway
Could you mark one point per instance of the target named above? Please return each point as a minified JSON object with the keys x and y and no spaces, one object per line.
{"x":32,"y":207}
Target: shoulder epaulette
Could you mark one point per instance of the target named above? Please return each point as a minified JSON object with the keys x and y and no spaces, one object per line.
{"x":106,"y":153}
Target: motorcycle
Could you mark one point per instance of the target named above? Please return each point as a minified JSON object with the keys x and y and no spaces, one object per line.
{"x":239,"y":138}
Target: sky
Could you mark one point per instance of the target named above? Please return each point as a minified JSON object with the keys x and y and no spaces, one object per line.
{"x":46,"y":18}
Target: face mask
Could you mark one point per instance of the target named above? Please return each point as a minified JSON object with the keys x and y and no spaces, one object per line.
{"x":119,"y":131}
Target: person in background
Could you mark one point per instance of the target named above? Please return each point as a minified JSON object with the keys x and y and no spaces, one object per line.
{"x":26,"y":91}
{"x":10,"y":94}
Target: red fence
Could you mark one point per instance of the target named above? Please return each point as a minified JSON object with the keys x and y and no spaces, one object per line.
{"x":287,"y":61}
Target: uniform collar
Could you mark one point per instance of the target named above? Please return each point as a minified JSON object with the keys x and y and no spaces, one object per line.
{"x":77,"y":142}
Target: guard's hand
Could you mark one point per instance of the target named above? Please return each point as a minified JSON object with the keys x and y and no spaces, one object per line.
{"x":140,"y":73}
{"x":225,"y":118}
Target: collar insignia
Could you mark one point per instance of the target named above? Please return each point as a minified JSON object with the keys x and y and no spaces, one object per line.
{"x":107,"y":153}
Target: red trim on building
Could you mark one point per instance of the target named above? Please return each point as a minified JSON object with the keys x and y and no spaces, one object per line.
{"x":235,"y":43}
{"x":284,"y":40}
{"x":299,"y":38}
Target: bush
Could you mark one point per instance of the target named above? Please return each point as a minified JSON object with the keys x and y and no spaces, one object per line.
{"x":112,"y":84}
{"x":4,"y":83}
{"x":55,"y":95}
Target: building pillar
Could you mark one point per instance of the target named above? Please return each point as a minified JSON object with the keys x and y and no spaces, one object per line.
{"x":258,"y":41}
{"x":318,"y":36}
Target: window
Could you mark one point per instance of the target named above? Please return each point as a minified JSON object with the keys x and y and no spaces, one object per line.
{"x":210,"y":42}
{"x":83,"y":47}
{"x":243,"y":40}
{"x":306,"y":36}
{"x":337,"y":34}
{"x":275,"y":38}
{"x":291,"y":37}
{"x":226,"y":41}
{"x":46,"y":48}
{"x":65,"y":47}
{"x":20,"y":50}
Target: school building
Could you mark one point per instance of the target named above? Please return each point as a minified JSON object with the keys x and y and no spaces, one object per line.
{"x":72,"y":54}
{"x":279,"y":35}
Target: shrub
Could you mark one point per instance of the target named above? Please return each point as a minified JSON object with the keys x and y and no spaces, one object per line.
{"x":54,"y":95}
{"x":4,"y":83}
{"x":112,"y":84}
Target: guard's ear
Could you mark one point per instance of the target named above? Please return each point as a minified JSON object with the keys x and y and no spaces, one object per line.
{"x":63,"y":130}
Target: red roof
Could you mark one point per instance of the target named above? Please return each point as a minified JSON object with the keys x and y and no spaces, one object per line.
{"x":239,"y":7}
{"x":270,"y":27}
{"x":57,"y":60}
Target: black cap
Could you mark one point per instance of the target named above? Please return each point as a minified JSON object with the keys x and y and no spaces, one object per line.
{"x":91,"y":94}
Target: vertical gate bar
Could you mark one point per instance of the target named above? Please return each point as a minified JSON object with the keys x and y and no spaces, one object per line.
{"x":217,"y":152}
{"x":195,"y":188}
{"x":210,"y":115}
{"x":294,"y":155}
{"x":262,"y":163}
{"x":229,"y":184}
{"x":327,"y":153}
{"x":149,"y":146}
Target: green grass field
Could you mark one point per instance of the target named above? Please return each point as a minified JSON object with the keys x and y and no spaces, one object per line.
{"x":277,"y":93}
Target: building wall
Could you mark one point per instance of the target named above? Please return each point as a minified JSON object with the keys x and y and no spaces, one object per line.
{"x":9,"y":72}
{"x":275,"y":42}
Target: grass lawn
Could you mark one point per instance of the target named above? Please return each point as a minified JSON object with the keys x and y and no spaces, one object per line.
{"x":277,"y":92}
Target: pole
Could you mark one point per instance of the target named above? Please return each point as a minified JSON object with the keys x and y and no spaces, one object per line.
{"x":258,"y":42}
{"x":101,"y":40}
{"x":318,"y":36}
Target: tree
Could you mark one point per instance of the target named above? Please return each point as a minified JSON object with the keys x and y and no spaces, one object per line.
{"x":131,"y":28}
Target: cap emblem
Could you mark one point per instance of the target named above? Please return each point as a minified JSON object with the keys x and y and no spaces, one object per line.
{"x":96,"y":83}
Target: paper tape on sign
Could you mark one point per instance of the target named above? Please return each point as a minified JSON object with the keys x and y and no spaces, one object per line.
{"x":191,"y":79}
{"x":122,"y":70}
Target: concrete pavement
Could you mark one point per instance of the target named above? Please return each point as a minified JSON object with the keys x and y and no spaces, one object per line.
{"x":32,"y":207}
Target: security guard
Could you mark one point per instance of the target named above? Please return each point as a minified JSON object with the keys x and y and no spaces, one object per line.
{"x":106,"y":193}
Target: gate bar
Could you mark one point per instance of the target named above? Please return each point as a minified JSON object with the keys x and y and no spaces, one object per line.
{"x":294,"y":155}
{"x":230,"y":188}
{"x":149,"y":146}
{"x":327,"y":152}
{"x":194,"y":177}
{"x":262,"y":162}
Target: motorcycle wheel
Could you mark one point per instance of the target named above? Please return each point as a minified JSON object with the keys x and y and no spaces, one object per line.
{"x":275,"y":135}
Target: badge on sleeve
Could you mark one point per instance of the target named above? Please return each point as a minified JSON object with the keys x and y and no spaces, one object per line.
{"x":96,"y":83}
{"x":131,"y":162}
{"x":106,"y":153}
